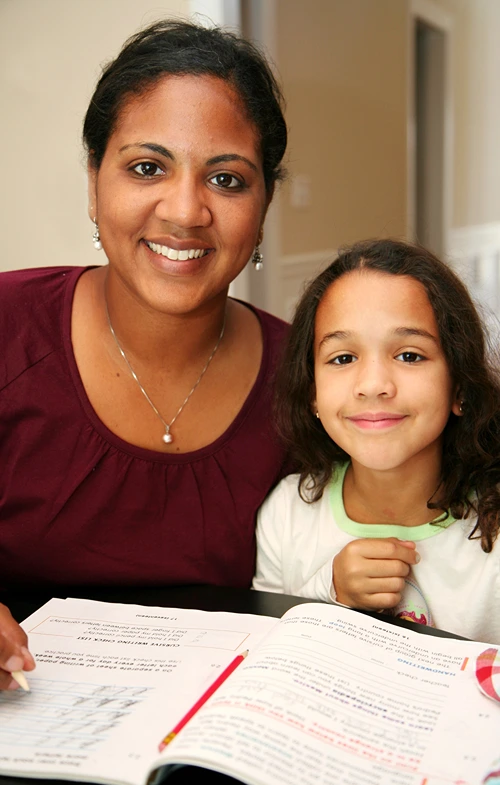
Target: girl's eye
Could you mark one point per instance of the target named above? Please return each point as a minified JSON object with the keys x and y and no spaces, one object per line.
{"x":342,"y":359}
{"x":147,"y":169}
{"x":409,"y":357}
{"x":228,"y":181}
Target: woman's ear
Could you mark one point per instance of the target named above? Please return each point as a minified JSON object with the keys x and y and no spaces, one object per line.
{"x":92,"y":190}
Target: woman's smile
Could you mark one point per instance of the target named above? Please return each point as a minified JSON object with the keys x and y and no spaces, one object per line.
{"x":172,"y":261}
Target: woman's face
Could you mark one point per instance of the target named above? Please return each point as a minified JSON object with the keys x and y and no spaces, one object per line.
{"x":180,"y":196}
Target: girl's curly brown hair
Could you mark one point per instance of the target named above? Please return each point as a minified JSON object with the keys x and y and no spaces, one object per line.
{"x":471,"y":443}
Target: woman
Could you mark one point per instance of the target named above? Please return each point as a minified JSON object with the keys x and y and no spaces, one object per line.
{"x":135,"y":429}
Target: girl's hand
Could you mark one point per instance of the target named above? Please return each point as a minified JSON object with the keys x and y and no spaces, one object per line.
{"x":370,"y":574}
{"x":14,"y":654}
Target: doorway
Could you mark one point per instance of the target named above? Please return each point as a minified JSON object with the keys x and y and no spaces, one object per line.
{"x":430,"y":196}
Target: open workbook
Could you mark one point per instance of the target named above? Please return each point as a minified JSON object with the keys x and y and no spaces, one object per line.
{"x":325,"y":696}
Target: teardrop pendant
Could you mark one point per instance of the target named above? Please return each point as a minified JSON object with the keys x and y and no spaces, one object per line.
{"x":167,"y":436}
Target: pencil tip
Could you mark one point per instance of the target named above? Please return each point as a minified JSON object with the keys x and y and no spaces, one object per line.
{"x":21,"y":680}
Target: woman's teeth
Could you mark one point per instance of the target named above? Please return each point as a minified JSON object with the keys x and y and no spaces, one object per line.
{"x":174,"y":255}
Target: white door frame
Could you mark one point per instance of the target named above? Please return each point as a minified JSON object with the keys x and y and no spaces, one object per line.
{"x":434,"y":16}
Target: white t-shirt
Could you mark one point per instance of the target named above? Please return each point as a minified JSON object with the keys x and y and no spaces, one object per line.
{"x":455,"y":586}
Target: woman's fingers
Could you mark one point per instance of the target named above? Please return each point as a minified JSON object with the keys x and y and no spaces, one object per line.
{"x":14,"y":653}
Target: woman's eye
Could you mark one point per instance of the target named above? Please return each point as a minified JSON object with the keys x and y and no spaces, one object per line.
{"x":147,"y":169}
{"x":409,"y":357}
{"x":228,"y":181}
{"x":343,"y":359}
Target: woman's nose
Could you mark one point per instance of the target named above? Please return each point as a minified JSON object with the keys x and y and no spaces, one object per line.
{"x":374,"y":379}
{"x":184,"y":202}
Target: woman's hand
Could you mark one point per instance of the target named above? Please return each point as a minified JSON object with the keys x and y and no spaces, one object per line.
{"x":370,"y":574}
{"x":14,"y":654}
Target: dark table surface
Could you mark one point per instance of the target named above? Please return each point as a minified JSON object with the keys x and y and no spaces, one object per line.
{"x":208,"y":598}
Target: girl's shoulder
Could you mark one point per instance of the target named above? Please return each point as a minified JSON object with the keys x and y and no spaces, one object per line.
{"x":291,"y":498}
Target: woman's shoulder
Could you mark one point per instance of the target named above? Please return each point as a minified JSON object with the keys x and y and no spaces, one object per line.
{"x":23,"y":287}
{"x":31,"y":308}
{"x":275,"y":327}
{"x":274,"y":334}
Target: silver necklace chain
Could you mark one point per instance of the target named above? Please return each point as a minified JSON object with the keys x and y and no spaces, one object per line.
{"x":167,"y":436}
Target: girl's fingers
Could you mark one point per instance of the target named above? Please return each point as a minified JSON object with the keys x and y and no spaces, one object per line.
{"x":388,"y":548}
{"x":392,"y":585}
{"x":383,"y":601}
{"x":385,"y":568}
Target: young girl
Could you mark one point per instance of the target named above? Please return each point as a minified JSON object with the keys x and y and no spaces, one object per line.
{"x":392,"y":413}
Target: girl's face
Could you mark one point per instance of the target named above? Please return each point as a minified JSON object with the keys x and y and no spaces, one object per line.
{"x":180,"y":196}
{"x":383,"y":389}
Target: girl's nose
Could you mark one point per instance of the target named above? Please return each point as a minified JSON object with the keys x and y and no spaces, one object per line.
{"x":373,"y":380}
{"x":183,"y":203}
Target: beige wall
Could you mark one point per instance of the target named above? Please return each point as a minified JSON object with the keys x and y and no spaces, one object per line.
{"x":343,"y":64}
{"x":50,"y":56}
{"x":344,"y":71}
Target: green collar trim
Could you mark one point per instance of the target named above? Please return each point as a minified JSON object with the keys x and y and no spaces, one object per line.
{"x":374,"y":530}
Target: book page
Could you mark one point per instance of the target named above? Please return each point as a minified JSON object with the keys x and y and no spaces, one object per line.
{"x":111,"y":681}
{"x":338,"y":698}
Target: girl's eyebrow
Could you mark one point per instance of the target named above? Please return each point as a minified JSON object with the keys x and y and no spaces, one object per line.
{"x":403,"y":332}
{"x":337,"y":334}
{"x":218,"y":159}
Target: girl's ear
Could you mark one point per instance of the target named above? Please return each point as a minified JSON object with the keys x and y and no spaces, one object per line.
{"x":313,"y":406}
{"x":458,"y":404}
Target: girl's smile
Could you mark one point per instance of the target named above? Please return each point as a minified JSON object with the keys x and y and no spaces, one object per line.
{"x":376,"y":420}
{"x":383,"y":390}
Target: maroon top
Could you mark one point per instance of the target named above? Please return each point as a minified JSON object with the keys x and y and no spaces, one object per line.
{"x":78,"y":504}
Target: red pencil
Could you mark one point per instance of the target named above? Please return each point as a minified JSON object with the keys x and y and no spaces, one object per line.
{"x":221,"y":678}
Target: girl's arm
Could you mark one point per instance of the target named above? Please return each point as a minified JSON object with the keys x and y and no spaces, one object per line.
{"x":286,"y":548}
{"x":269,"y":533}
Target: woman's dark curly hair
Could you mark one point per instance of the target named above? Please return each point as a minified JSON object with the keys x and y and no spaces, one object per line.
{"x":176,"y":48}
{"x":471,"y":443}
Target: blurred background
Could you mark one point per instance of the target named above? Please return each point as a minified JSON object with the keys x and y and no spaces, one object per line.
{"x":393,"y":109}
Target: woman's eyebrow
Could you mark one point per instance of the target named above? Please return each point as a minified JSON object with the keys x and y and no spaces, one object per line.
{"x":228,"y":157}
{"x":154,"y":148}
{"x":217,"y":159}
